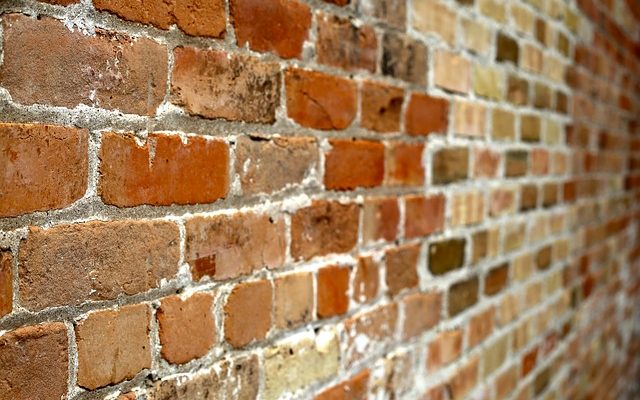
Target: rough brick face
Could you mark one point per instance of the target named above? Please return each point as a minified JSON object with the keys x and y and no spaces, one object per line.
{"x":462,"y":295}
{"x":214,"y":84}
{"x":402,"y":268}
{"x":342,"y":174}
{"x":280,"y":26}
{"x":422,"y":312}
{"x":344,"y":45}
{"x":404,"y":164}
{"x":44,"y":167}
{"x":108,"y":258}
{"x":426,"y":115}
{"x":6,"y":283}
{"x":404,"y":58}
{"x":161,"y":172}
{"x":332,"y":287}
{"x":247,"y":313}
{"x":423,"y":215}
{"x":380,"y":219}
{"x":381,"y":107}
{"x":66,"y":68}
{"x":293,"y":296}
{"x":450,"y":165}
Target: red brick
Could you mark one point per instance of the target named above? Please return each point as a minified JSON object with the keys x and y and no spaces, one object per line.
{"x":323,"y":228}
{"x":464,"y":380}
{"x":340,"y":43}
{"x":422,"y":312}
{"x":378,"y":325}
{"x":113,"y":346}
{"x":402,"y":268}
{"x":380,"y":219}
{"x":44,"y":167}
{"x":215,"y":84}
{"x":404,"y":164}
{"x":481,"y":326}
{"x":332,"y":290}
{"x":6,"y":283}
{"x":354,"y":388}
{"x":268,"y":165}
{"x":529,"y":361}
{"x":445,"y":348}
{"x":426,"y":114}
{"x":279,"y":26}
{"x":486,"y":163}
{"x":228,"y":246}
{"x":293,"y":299}
{"x":186,"y":327}
{"x":108,"y":259}
{"x":353,"y":163}
{"x":366,"y":281}
{"x":194,"y":17}
{"x":320,"y":101}
{"x":163,"y":171}
{"x":424,"y":215}
{"x":539,"y":162}
{"x":67,"y":68}
{"x":34,"y":363}
{"x":381,"y":107}
{"x":247,"y":313}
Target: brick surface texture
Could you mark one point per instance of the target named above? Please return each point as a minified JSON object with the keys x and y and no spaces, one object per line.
{"x":319,"y":199}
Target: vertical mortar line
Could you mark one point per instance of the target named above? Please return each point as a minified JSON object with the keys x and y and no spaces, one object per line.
{"x":72,"y":383}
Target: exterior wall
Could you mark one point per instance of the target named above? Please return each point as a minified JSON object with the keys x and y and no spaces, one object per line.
{"x":413,"y":199}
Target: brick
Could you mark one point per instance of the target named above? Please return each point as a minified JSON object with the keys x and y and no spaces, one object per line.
{"x":529,"y":361}
{"x":323,"y":228}
{"x":543,"y":258}
{"x":446,"y":255}
{"x":464,"y":380}
{"x":293,"y":296}
{"x":393,"y":12}
{"x":377,"y":325}
{"x":193,"y":17}
{"x":452,"y":72}
{"x":523,"y":18}
{"x":404,"y":58}
{"x":431,"y":16}
{"x":186,"y":327}
{"x":109,"y":258}
{"x":380,"y":219}
{"x":127,"y":396}
{"x":496,"y":279}
{"x":444,"y":349}
{"x":426,"y":115}
{"x":422,"y":313}
{"x":469,"y":118}
{"x":267,"y":165}
{"x":539,"y":162}
{"x":247,"y":313}
{"x":404,"y":164}
{"x":66,"y":68}
{"x":353,"y":388}
{"x":477,"y":37}
{"x":332,"y":291}
{"x":506,"y":382}
{"x":402,"y":268}
{"x":450,"y":165}
{"x":113,"y":345}
{"x":381,"y":107}
{"x":507,"y":49}
{"x":278,"y":26}
{"x":353,"y":163}
{"x":6,"y":283}
{"x":488,"y":82}
{"x":228,"y":246}
{"x":532,"y":59}
{"x":502,"y":201}
{"x":161,"y":172}
{"x":514,"y":236}
{"x":516,"y":163}
{"x":340,"y":3}
{"x":494,"y":9}
{"x":366,"y":281}
{"x":480,"y":326}
{"x":424,"y":215}
{"x":467,"y":208}
{"x":528,"y":197}
{"x":503,"y":125}
{"x":462,"y":295}
{"x":40,"y":173}
{"x":541,"y":380}
{"x":320,"y":101}
{"x":541,"y":96}
{"x":494,"y":355}
{"x":549,"y":194}
{"x":485,"y":162}
{"x":340,"y":43}
{"x":396,"y":374}
{"x":300,"y":361}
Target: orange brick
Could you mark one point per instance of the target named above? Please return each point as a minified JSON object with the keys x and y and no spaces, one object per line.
{"x":445,"y":348}
{"x":332,"y":296}
{"x":426,"y":115}
{"x":423,"y":215}
{"x":247,"y":313}
{"x":354,"y":163}
{"x":404,"y":164}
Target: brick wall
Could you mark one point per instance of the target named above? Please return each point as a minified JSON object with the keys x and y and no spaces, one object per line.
{"x":339,"y":199}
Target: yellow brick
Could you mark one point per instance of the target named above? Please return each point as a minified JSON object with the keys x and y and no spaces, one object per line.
{"x":452,"y":72}
{"x":469,"y":118}
{"x":503,"y":125}
{"x":488,"y":82}
{"x":494,"y":9}
{"x":554,"y":68}
{"x":467,"y":208}
{"x":522,"y":267}
{"x":477,"y":37}
{"x":552,"y":134}
{"x":523,"y":18}
{"x":431,"y":16}
{"x":532,"y":58}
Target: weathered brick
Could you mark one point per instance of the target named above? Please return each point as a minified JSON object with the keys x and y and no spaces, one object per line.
{"x":320,"y":101}
{"x":426,"y":115}
{"x":353,"y":163}
{"x":462,"y":295}
{"x":444,"y":349}
{"x":366,"y":280}
{"x":113,"y":345}
{"x":194,"y":17}
{"x":186,"y":327}
{"x":161,"y":172}
{"x":66,"y":68}
{"x":341,"y":43}
{"x":516,"y":163}
{"x":480,"y":326}
{"x":446,"y":256}
{"x":381,"y":107}
{"x":6,"y":283}
{"x":378,"y":325}
{"x":34,"y":362}
{"x":432,"y":16}
{"x":247,"y":313}
{"x":485,"y":162}
{"x":452,"y":72}
{"x":469,"y":118}
{"x":539,"y":162}
{"x":353,"y":388}
{"x":502,"y":201}
{"x":380,"y":219}
{"x":332,"y":287}
{"x":108,"y":258}
{"x":467,"y":208}
{"x":404,"y":58}
{"x":215,"y":84}
{"x":323,"y":228}
{"x":517,"y":90}
{"x":266,"y":165}
{"x":227,"y":246}
{"x":422,"y":312}
{"x":496,"y":279}
{"x":402,"y":268}
{"x":404,"y":164}
{"x":293,"y":296}
{"x":393,"y":12}
{"x":44,"y":167}
{"x":450,"y":165}
{"x":506,"y":49}
{"x":424,"y":215}
{"x":279,"y":26}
